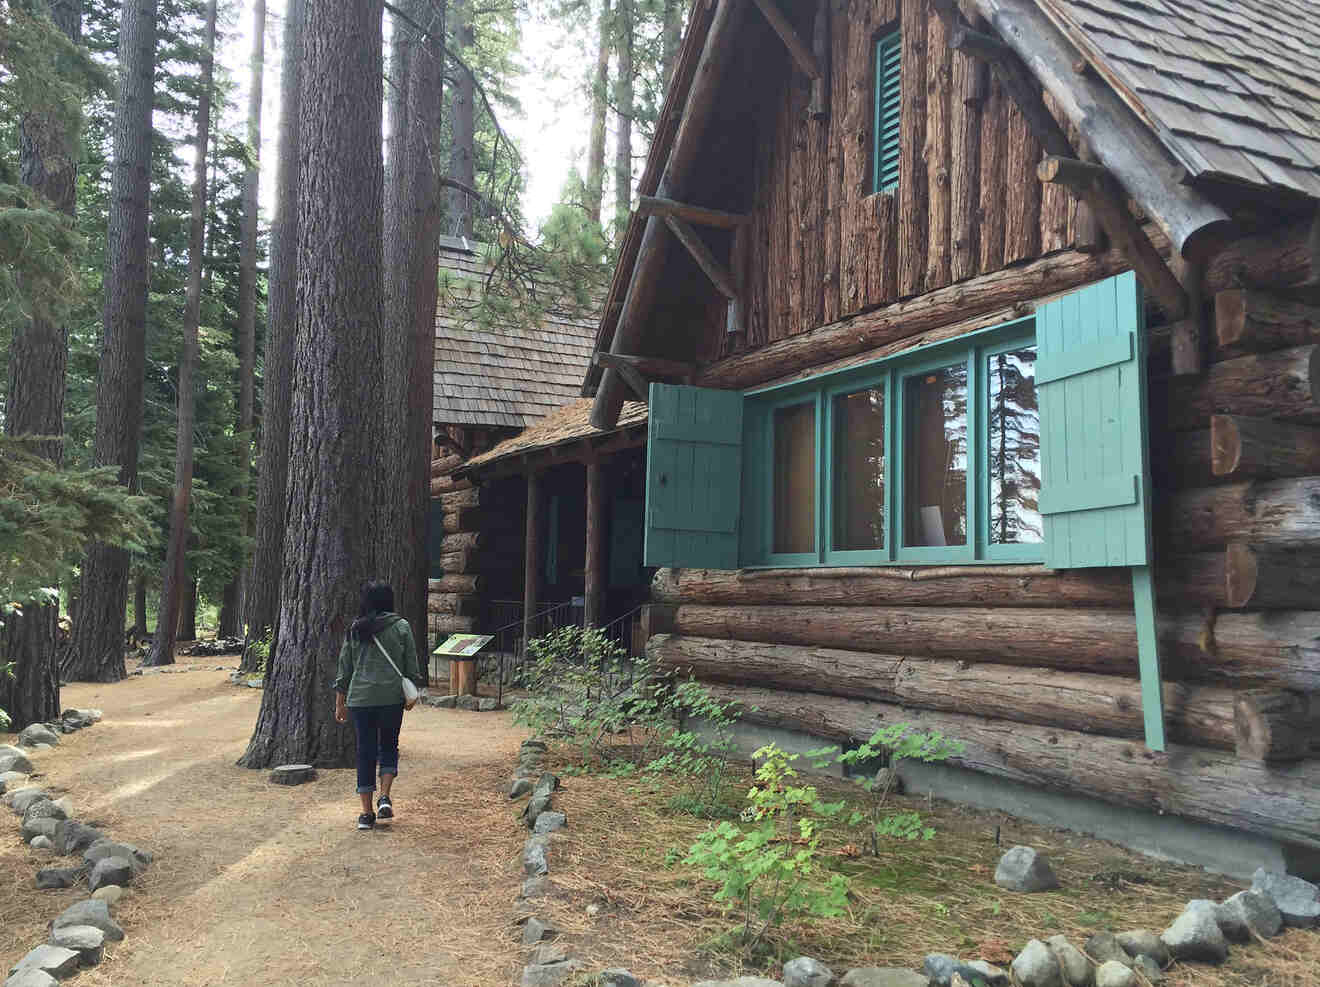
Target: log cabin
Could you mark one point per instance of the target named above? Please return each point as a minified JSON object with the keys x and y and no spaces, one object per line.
{"x":979,"y":341}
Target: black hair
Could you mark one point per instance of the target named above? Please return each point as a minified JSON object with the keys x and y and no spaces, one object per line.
{"x":377,"y":597}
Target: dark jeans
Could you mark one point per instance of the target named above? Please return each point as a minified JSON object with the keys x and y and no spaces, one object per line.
{"x":377,"y":738}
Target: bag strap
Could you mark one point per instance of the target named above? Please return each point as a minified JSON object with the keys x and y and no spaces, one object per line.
{"x":376,"y":641}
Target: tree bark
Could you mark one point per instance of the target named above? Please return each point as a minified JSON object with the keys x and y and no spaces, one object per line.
{"x":261,"y":601}
{"x":331,"y":539}
{"x":623,"y":111}
{"x":1281,"y":648}
{"x":173,"y":576}
{"x":96,"y":646}
{"x":1103,"y":704}
{"x":247,"y":310}
{"x":462,"y":159}
{"x":188,"y":611}
{"x":600,"y":84}
{"x":1281,"y":801}
{"x":140,"y":605}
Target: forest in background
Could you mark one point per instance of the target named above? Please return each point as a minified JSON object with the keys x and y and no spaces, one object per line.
{"x":150,"y":331}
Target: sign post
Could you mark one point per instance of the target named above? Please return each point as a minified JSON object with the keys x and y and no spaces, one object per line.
{"x":461,"y":650}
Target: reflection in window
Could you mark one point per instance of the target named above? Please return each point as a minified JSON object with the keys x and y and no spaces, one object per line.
{"x":1013,"y":451}
{"x":935,"y":413}
{"x":859,"y":470}
{"x":795,"y":479}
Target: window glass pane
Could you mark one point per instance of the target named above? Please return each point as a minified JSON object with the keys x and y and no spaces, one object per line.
{"x":859,"y":470}
{"x":1013,"y":453}
{"x":935,"y":471}
{"x":795,"y":479}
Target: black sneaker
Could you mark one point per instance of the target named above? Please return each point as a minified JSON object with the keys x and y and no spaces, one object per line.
{"x":384,"y":808}
{"x":367,"y":820}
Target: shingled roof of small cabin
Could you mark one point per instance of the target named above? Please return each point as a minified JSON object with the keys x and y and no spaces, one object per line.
{"x":569,"y":423}
{"x":1232,"y":87}
{"x":505,"y":375}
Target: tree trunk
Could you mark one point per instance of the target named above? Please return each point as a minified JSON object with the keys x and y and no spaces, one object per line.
{"x":140,"y":606}
{"x":1280,"y":801}
{"x":600,"y":86}
{"x":462,"y":159}
{"x":261,"y":599}
{"x":96,"y":646}
{"x":1099,"y":703}
{"x":34,"y":402}
{"x":336,"y":414}
{"x":173,"y":578}
{"x":623,"y":110}
{"x":671,"y":33}
{"x":230,"y":624}
{"x":188,"y":611}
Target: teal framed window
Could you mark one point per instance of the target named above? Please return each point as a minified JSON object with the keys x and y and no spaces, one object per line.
{"x":929,"y":457}
{"x":887,"y":111}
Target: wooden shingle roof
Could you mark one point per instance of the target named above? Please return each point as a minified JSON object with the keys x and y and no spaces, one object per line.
{"x":566,"y":424}
{"x":1232,"y":87}
{"x":507,"y":374}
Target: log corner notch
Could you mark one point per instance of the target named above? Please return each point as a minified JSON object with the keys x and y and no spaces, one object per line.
{"x":1121,"y":143}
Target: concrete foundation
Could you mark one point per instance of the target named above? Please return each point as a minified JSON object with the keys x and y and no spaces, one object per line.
{"x":1173,"y":838}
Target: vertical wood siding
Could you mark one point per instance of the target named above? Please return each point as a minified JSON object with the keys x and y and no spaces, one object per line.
{"x":968,"y":202}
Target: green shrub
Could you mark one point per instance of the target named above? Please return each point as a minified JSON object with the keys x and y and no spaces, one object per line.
{"x":703,"y":761}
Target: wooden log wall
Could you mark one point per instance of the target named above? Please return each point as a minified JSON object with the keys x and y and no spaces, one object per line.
{"x":823,"y":247}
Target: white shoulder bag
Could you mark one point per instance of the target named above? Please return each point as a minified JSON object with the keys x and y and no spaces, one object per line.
{"x":410,"y":690}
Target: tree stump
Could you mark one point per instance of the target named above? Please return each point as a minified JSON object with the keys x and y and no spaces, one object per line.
{"x":293,"y":774}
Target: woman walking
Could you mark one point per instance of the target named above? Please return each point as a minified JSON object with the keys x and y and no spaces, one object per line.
{"x":379,"y":652}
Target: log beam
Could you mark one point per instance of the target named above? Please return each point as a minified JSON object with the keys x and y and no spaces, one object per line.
{"x":1124,"y":145}
{"x":1255,"y":321}
{"x":1272,"y":725}
{"x":531,"y":556}
{"x":1281,"y":801}
{"x":1283,"y":384}
{"x":1275,"y":512}
{"x":719,"y":275}
{"x":448,"y":484}
{"x":1094,"y":185}
{"x":653,"y":205}
{"x":650,"y":367}
{"x":458,"y":582}
{"x":462,"y":539}
{"x":462,"y":519}
{"x":801,"y":54}
{"x":1106,"y":704}
{"x":1260,"y":447}
{"x":1272,"y":576}
{"x":625,"y":369}
{"x":462,"y":604}
{"x":594,"y":574}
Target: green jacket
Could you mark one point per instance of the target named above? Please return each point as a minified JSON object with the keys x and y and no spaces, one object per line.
{"x":364,"y":674}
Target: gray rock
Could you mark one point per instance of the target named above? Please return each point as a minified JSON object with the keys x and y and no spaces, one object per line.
{"x":11,"y":780}
{"x":33,"y":828}
{"x":806,"y":972}
{"x":38,"y":733}
{"x":44,"y":809}
{"x":1149,"y":968}
{"x":110,"y":894}
{"x":1248,"y":914}
{"x":1105,"y":946}
{"x":1298,"y":901}
{"x":991,"y":974}
{"x":536,"y":930}
{"x":24,"y":797}
{"x":441,"y":702}
{"x":1113,"y":974}
{"x":740,"y":982}
{"x":1143,"y":942}
{"x":73,"y":837}
{"x":546,"y":785}
{"x":537,"y":886}
{"x":520,"y":787}
{"x":293,"y":774}
{"x":487,"y":706}
{"x":85,"y":940}
{"x":93,"y":913}
{"x":111,"y":870}
{"x":549,"y":975}
{"x":15,"y":760}
{"x":534,"y":857}
{"x":546,"y":955}
{"x":534,"y":808}
{"x":469,"y":703}
{"x":618,"y":977}
{"x":31,"y":978}
{"x":1036,"y":966}
{"x":1195,"y":935}
{"x":883,"y":976}
{"x":1075,"y":967}
{"x":52,"y":878}
{"x":42,"y":842}
{"x":65,"y":805}
{"x":888,"y":780}
{"x":532,"y":744}
{"x":941,"y":967}
{"x":111,"y":848}
{"x":1024,"y":869}
{"x":55,"y":960}
{"x":548,"y":822}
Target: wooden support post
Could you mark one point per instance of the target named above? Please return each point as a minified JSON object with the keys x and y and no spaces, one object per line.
{"x":1148,"y":656}
{"x":806,"y":62}
{"x":736,"y":314}
{"x":626,"y":369}
{"x":1273,"y":725}
{"x":1189,"y":336}
{"x":531,"y":557}
{"x":653,"y":205}
{"x":819,"y":107}
{"x":691,"y":239}
{"x":593,"y":581}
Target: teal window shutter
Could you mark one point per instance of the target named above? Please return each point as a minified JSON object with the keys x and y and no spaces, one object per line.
{"x":1095,"y":484}
{"x":693,"y":477}
{"x":887,"y":112}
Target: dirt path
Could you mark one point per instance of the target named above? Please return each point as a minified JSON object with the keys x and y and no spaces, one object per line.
{"x":258,"y":884}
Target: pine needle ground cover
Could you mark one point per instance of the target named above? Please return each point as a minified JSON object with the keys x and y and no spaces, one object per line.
{"x":623,"y":897}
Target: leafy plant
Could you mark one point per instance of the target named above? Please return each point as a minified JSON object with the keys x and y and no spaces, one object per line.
{"x":702,"y":759}
{"x":769,"y":872}
{"x":261,"y":652}
{"x":891,"y":745}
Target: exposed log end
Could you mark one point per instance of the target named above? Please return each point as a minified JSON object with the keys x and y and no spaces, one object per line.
{"x":1240,"y":575}
{"x":1225,"y":445}
{"x":1230,"y":316}
{"x":1272,"y":725}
